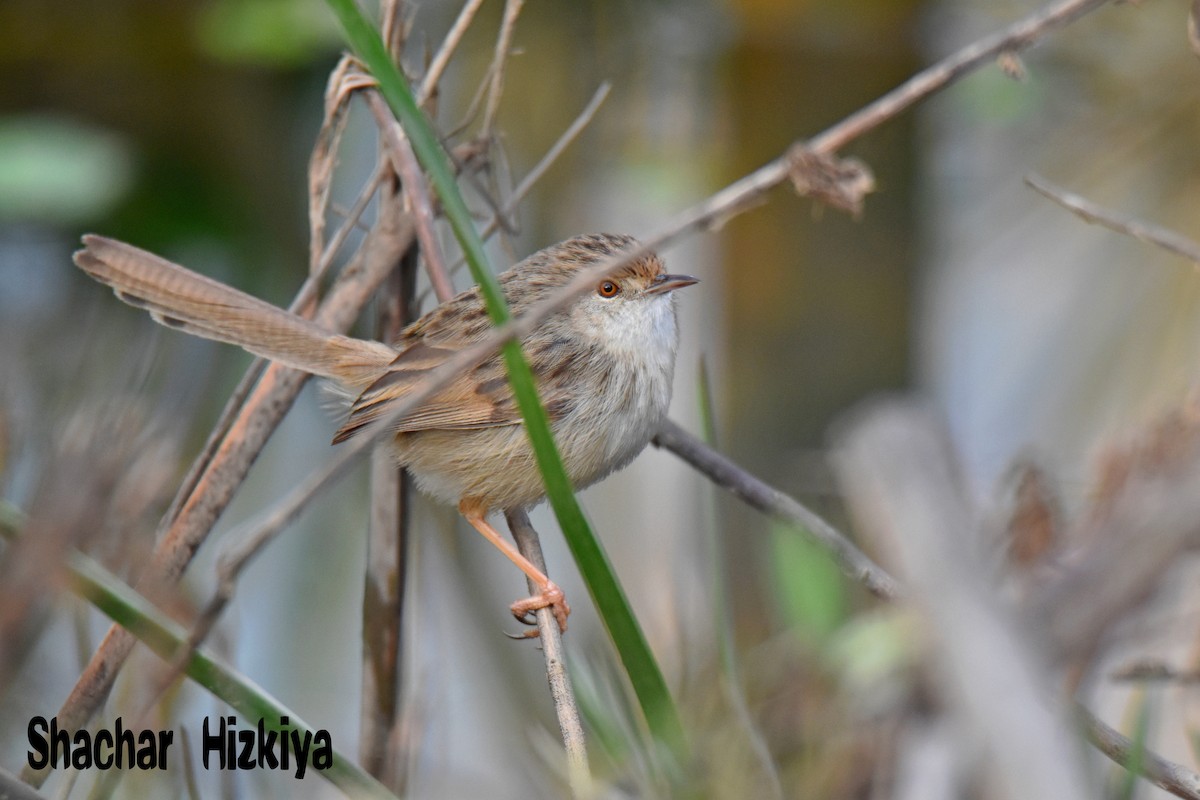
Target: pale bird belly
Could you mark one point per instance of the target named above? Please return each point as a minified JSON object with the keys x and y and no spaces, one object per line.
{"x":493,"y":465}
{"x":497,"y":465}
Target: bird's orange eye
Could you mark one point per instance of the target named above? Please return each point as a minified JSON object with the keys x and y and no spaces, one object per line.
{"x":608,"y":289}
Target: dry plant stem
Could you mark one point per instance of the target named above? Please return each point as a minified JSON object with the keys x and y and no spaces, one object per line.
{"x":394,"y":27}
{"x":512,"y":10}
{"x":534,"y":175}
{"x":438,"y":65}
{"x":200,"y":464}
{"x":321,"y":162}
{"x":897,"y":471}
{"x":381,"y":745}
{"x":404,"y":161}
{"x":271,"y":399}
{"x":343,"y":82}
{"x":383,"y":593}
{"x":1174,"y":778}
{"x":565,"y":707}
{"x":352,"y":217}
{"x":1172,"y":242}
{"x":539,"y":169}
{"x":757,"y":494}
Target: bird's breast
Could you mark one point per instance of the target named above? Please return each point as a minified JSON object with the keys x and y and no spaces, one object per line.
{"x":620,"y":405}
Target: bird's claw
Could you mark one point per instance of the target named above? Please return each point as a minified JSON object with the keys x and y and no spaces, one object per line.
{"x":550,"y":597}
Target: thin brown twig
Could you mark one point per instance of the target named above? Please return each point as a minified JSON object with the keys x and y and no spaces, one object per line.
{"x":404,"y":161}
{"x":383,"y":615}
{"x":512,"y":10}
{"x":382,"y":748}
{"x":1155,"y":672}
{"x":568,"y":136}
{"x":442,"y":58}
{"x":758,"y":494}
{"x":343,"y":81}
{"x":565,"y":707}
{"x":494,"y":81}
{"x":1174,"y":778}
{"x":395,"y":24}
{"x":469,"y":115}
{"x":1174,"y":243}
{"x":201,"y":463}
{"x":543,"y":165}
{"x":351,"y":220}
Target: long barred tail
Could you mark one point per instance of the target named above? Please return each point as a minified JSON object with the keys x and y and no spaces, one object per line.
{"x":179,"y":298}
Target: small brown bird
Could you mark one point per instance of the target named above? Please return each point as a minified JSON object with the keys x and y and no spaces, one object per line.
{"x":604,"y":367}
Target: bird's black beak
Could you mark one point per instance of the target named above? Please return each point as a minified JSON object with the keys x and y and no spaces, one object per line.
{"x":669,"y":283}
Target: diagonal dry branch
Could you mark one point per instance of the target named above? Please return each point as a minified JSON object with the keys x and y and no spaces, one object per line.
{"x":1174,"y":778}
{"x":759,"y":495}
{"x":1174,"y":243}
{"x":512,"y":10}
{"x":382,"y":745}
{"x":420,"y":205}
{"x":446,"y":51}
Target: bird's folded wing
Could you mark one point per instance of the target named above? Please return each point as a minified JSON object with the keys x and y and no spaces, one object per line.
{"x":478,"y":398}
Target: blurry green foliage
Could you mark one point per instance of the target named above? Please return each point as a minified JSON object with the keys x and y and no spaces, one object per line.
{"x":266,"y":32}
{"x":810,"y":590}
{"x":991,"y":96}
{"x":873,"y":648}
{"x":60,"y":171}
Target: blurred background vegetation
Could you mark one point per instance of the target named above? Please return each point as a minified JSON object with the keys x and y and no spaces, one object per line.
{"x":186,"y":127}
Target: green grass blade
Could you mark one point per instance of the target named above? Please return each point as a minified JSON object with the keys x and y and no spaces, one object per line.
{"x":133,"y":612}
{"x":719,"y":597}
{"x":639,"y":663}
